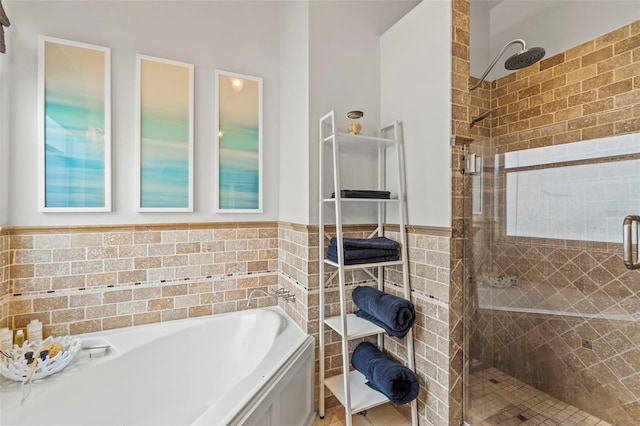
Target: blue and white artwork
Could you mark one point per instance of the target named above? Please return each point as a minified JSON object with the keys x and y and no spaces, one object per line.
{"x":239,"y":143}
{"x":75,"y":126}
{"x":166,"y":134}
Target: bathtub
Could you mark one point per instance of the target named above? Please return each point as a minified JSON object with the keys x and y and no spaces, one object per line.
{"x":252,"y":367}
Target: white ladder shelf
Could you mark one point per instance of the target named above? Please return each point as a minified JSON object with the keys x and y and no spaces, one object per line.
{"x":349,"y":387}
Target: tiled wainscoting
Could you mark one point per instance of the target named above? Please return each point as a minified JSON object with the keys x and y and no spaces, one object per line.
{"x":4,"y":276}
{"x":85,"y":279}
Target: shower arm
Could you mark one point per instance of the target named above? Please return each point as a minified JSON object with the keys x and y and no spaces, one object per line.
{"x":495,"y":60}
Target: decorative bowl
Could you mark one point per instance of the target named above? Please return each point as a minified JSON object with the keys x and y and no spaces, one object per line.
{"x":17,"y":368}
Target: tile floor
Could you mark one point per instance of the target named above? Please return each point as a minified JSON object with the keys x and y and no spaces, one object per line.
{"x":498,"y":399}
{"x":382,"y":415}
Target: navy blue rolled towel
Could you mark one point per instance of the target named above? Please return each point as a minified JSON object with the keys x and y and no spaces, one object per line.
{"x":395,"y":314}
{"x":395,"y":381}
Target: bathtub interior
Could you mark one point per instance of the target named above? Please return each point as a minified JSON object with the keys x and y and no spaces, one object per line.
{"x":163,"y":374}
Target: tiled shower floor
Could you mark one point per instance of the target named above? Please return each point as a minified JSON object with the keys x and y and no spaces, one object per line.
{"x":498,"y":399}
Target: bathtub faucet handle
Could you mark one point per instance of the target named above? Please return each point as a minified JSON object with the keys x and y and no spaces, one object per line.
{"x":281,"y":291}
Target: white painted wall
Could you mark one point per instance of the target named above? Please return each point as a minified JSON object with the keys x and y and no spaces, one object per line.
{"x":552,"y":24}
{"x":416,"y":89}
{"x":241,"y":37}
{"x":294,"y":112}
{"x":344,"y":75}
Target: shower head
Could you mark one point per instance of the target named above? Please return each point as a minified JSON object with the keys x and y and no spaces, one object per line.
{"x":522,"y":59}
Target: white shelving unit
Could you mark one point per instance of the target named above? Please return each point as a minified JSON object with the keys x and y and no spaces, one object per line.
{"x":349,"y":387}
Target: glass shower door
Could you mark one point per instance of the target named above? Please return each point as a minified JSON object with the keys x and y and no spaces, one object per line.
{"x":552,"y":314}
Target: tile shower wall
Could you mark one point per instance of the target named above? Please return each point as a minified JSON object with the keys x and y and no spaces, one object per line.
{"x":587,"y":353}
{"x":78,"y":280}
{"x":587,"y":92}
{"x":465,"y":106}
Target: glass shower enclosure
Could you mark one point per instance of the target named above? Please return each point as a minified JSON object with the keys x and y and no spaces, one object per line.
{"x":552,"y":296}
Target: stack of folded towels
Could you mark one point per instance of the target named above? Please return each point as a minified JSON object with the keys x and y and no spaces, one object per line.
{"x":364,"y":250}
{"x":396,"y":316}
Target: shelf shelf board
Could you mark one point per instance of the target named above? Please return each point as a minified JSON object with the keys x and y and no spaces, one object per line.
{"x":346,"y":139}
{"x":364,"y":265}
{"x":356,"y":326}
{"x":362,"y":396}
{"x":363,"y":200}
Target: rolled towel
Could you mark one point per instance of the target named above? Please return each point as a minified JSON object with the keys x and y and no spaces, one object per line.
{"x":367,"y":243}
{"x":361,"y":253}
{"x":395,"y":381}
{"x":395,"y":314}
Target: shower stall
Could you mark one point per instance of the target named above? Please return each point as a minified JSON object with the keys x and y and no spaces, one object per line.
{"x":551,"y":312}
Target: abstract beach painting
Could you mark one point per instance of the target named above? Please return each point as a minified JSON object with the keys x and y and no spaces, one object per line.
{"x":74,"y":162}
{"x":238,"y":118}
{"x":165,"y":134}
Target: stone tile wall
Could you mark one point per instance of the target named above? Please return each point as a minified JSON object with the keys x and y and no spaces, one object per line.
{"x":429,"y":259}
{"x":586,"y":352}
{"x":587,"y":92}
{"x":465,"y":106}
{"x":78,"y":280}
{"x":4,"y":277}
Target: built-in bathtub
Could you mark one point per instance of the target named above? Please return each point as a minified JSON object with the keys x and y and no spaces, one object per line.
{"x":250,"y":367}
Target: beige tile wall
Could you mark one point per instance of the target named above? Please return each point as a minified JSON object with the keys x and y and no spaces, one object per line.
{"x":429,"y":269}
{"x":429,"y":258}
{"x":589,"y":356}
{"x":77,"y":280}
{"x":4,"y":277}
{"x":465,"y":106}
{"x":587,"y":92}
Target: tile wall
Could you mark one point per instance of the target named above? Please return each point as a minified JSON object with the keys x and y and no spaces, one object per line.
{"x":587,"y":92}
{"x":4,"y":277}
{"x":78,"y":280}
{"x":587,"y":353}
{"x":429,"y":259}
{"x":429,"y":269}
{"x":465,"y":106}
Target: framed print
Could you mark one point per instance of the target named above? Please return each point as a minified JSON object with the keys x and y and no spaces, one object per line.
{"x":74,"y":126}
{"x":238,"y":135}
{"x":164,"y":149}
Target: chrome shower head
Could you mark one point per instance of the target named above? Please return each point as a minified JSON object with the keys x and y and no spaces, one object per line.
{"x":524,"y":58}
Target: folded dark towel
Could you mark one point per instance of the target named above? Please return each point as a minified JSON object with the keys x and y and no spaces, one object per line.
{"x":361,"y":253}
{"x":395,"y":314}
{"x":379,"y":259}
{"x":366,"y":243}
{"x":395,"y":381}
{"x":363,"y":193}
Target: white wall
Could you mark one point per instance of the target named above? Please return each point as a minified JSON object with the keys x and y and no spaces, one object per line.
{"x":344,"y":75}
{"x":240,"y":37}
{"x":294,"y":112}
{"x":552,"y":24}
{"x":416,"y":89}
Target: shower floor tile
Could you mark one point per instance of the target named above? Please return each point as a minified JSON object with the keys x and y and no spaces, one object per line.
{"x":498,"y":399}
